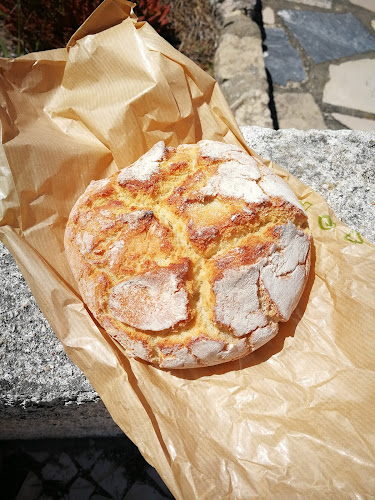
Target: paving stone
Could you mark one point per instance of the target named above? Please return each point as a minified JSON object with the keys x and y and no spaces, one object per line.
{"x":355,"y":123}
{"x":281,"y":59}
{"x":327,"y":36}
{"x":116,"y":483}
{"x":81,"y":489}
{"x":298,"y":110}
{"x":141,"y":491}
{"x":39,"y":456}
{"x":153,"y":474}
{"x":352,"y":85}
{"x":366,"y":4}
{"x":103,"y":468}
{"x":268,"y":16}
{"x":63,"y":470}
{"x":87,"y":458}
{"x":323,"y":4}
{"x":31,"y":488}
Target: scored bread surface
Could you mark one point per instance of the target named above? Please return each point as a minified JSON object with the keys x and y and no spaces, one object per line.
{"x":191,"y":255}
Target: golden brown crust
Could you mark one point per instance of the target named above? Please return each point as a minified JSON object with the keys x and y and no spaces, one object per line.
{"x":190,"y":256}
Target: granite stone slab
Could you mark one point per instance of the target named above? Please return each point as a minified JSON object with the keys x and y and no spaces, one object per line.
{"x":41,"y":389}
{"x":338,"y":164}
{"x":282,"y":60}
{"x":326,"y":36}
{"x":43,"y":394}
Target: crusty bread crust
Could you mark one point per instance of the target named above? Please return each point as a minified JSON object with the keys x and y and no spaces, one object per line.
{"x":190,"y":256}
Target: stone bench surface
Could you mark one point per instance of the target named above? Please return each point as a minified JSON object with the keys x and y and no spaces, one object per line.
{"x":43,"y":394}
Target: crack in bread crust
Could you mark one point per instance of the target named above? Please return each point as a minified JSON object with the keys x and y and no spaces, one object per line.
{"x":193,"y":208}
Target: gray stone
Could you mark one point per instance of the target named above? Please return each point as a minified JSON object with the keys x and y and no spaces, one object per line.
{"x":31,"y":488}
{"x":281,"y":59}
{"x":239,"y":69}
{"x":222,"y":8}
{"x":81,"y":489}
{"x":63,"y":417}
{"x":35,"y":402}
{"x":237,"y":56}
{"x":39,"y":456}
{"x":355,"y":123}
{"x":153,"y":474}
{"x":87,"y":458}
{"x":62,"y":470}
{"x":116,"y":483}
{"x":237,"y":23}
{"x":352,"y":85}
{"x":103,"y":468}
{"x":248,"y":100}
{"x":298,"y":110}
{"x":327,"y":36}
{"x":337,"y":164}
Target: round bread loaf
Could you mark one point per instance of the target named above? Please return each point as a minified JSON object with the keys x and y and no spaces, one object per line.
{"x":191,"y":255}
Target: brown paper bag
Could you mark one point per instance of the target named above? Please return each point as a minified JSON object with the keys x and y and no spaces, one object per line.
{"x":294,"y":419}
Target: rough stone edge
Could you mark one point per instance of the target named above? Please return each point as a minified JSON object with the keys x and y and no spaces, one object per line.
{"x":344,"y":175}
{"x":89,"y":419}
{"x":231,"y":16}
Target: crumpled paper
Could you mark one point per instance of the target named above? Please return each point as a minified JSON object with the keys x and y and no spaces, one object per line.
{"x":294,"y":419}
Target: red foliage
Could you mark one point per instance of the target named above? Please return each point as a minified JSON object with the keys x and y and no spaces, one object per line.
{"x":48,"y":24}
{"x":154,"y":12}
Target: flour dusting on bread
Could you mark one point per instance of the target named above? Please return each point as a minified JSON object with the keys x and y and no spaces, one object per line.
{"x":237,"y":303}
{"x":153,"y":301}
{"x":145,"y":167}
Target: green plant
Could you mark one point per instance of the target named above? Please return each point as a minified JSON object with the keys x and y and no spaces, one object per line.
{"x":3,"y":48}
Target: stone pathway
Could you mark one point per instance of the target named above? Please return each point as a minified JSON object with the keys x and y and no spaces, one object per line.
{"x":334,"y":42}
{"x":82,"y":469}
{"x":319,"y":58}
